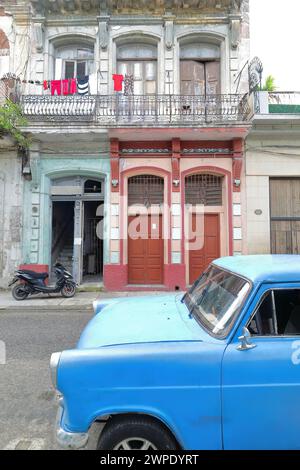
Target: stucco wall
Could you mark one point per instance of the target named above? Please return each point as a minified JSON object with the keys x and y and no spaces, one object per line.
{"x":268,"y":156}
{"x":11,"y":209}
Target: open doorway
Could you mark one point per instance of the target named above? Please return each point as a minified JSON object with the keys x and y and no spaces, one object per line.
{"x":93,"y":241}
{"x":62,"y":234}
{"x":77,"y":217}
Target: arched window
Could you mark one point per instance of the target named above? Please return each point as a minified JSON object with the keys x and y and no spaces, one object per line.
{"x":145,"y":190}
{"x":139,"y":63}
{"x":204,"y":189}
{"x":74,"y":61}
{"x":199,"y":68}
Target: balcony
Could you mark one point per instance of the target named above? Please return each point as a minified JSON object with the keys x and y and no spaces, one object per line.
{"x":138,"y":110}
{"x":278,"y":102}
{"x":284,"y":102}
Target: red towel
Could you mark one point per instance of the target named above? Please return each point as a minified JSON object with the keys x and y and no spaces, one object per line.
{"x":118,"y":82}
{"x":73,"y":86}
{"x":65,"y":87}
{"x":55,"y":87}
{"x":46,"y":84}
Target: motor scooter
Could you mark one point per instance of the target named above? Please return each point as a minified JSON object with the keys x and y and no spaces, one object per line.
{"x":31,"y":283}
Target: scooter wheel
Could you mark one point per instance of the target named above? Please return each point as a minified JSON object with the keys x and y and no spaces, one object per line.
{"x":69,"y":290}
{"x":19,"y":292}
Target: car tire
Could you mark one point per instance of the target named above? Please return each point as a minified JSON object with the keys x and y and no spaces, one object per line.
{"x":19,"y":292}
{"x":68,"y":291}
{"x":135,"y":433}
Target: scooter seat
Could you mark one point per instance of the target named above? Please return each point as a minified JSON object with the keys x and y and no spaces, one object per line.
{"x":35,"y":275}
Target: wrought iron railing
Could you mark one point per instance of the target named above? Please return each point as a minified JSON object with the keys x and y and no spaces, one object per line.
{"x":119,"y":109}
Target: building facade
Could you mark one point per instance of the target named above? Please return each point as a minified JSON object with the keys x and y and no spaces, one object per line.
{"x":140,"y":185}
{"x":273,"y":176}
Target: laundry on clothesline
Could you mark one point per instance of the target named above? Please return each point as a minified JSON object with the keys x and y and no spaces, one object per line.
{"x":118,"y":81}
{"x":67,"y":86}
{"x":83,"y":85}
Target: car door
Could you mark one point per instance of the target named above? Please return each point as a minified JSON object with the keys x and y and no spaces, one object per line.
{"x":261,"y":385}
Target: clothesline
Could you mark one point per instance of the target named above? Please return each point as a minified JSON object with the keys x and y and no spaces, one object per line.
{"x":80,"y":85}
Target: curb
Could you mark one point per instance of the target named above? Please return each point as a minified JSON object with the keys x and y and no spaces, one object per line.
{"x":43,"y":308}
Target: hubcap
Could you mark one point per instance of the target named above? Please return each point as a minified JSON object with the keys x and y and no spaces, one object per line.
{"x":135,"y":443}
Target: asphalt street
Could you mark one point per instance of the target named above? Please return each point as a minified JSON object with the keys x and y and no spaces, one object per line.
{"x":28,"y":401}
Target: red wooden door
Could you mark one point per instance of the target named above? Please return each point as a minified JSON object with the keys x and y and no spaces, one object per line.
{"x":199,"y":259}
{"x":146,"y":253}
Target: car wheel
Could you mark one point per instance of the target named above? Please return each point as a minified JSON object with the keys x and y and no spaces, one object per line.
{"x":69,"y":290}
{"x":19,"y":292}
{"x":135,"y":433}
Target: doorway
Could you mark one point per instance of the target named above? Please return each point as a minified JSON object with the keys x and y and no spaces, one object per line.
{"x":204,"y":191}
{"x":285,"y":215}
{"x":145,"y":230}
{"x":62,"y":234}
{"x":146,"y":252}
{"x":199,"y":78}
{"x":92,"y":244}
{"x":77,"y":227}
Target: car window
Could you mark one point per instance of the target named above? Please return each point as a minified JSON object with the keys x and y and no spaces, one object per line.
{"x":278,"y":313}
{"x":216,"y":299}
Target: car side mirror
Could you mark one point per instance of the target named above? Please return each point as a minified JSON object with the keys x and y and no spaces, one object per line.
{"x":245,"y":340}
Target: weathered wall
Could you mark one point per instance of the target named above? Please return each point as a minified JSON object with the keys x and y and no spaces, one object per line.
{"x":11,"y":208}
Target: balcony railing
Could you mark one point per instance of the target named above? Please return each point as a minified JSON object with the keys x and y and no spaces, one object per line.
{"x":134,"y":110}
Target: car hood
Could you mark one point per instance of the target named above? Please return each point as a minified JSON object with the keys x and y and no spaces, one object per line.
{"x":140,"y":320}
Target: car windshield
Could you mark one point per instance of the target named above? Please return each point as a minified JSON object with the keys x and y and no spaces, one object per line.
{"x":216,"y":298}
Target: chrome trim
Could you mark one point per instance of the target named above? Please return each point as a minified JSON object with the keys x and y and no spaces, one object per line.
{"x":67,"y":439}
{"x":54,"y":361}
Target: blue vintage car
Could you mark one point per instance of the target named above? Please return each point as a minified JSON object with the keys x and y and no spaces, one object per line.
{"x":217,"y":368}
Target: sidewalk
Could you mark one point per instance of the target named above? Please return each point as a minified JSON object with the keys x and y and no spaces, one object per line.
{"x":81,"y":301}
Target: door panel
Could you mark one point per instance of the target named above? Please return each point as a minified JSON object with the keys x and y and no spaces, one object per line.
{"x":212,"y":70}
{"x":261,"y":389}
{"x":145,"y":255}
{"x":285,"y":215}
{"x":78,"y":241}
{"x":199,"y":78}
{"x":192,"y":75}
{"x":199,"y":259}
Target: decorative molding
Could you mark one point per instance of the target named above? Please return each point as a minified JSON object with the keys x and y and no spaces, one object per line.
{"x":235,"y":27}
{"x":176,"y":153}
{"x":135,"y":6}
{"x":206,"y":151}
{"x":103,"y":34}
{"x":38,"y":34}
{"x":169,"y":34}
{"x":115,"y":165}
{"x":145,"y":151}
{"x":237,"y":163}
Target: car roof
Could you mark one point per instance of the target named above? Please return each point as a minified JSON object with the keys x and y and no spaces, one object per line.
{"x":263,"y":268}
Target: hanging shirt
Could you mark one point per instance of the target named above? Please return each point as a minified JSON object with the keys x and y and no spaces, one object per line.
{"x":83,"y":85}
{"x":118,"y":82}
{"x":55,"y":87}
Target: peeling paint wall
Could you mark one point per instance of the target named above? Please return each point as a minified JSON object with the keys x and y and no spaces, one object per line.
{"x":11,"y":209}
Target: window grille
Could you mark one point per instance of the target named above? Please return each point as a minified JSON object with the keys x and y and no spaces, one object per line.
{"x":203,"y":189}
{"x":145,"y":190}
